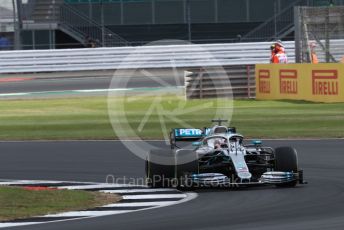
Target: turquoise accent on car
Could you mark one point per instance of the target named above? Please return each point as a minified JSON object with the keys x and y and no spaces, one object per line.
{"x":188,"y":132}
{"x":196,"y":143}
{"x":257,"y":142}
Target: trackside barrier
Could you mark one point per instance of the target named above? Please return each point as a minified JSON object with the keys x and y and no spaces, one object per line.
{"x":311,"y":82}
{"x":237,"y":81}
{"x":155,"y":56}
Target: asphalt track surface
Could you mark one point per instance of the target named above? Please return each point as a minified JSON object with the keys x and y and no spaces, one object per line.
{"x":86,"y":83}
{"x":318,"y":205}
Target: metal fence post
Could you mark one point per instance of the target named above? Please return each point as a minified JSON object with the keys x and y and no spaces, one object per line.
{"x":297,"y":33}
{"x":200,"y":76}
{"x":248,"y":70}
{"x":327,"y":35}
{"x":188,"y":12}
{"x":17,"y":20}
{"x":103,"y":23}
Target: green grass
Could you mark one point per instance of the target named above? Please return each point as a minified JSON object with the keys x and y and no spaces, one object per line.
{"x":17,"y":203}
{"x":87,"y":118}
{"x":288,"y":119}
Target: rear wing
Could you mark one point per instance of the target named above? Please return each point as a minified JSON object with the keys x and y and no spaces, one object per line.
{"x":181,"y":134}
{"x":187,"y":134}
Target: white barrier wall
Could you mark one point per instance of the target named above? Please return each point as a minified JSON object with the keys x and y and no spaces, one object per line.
{"x":161,"y":56}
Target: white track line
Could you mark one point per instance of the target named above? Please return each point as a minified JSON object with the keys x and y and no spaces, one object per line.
{"x":155,"y":196}
{"x":87,"y":91}
{"x":140,"y":204}
{"x":87,"y":213}
{"x":98,"y":186}
{"x":138,"y":190}
{"x":6,"y":225}
{"x":28,"y":182}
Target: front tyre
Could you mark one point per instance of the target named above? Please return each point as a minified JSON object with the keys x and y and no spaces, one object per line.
{"x":160,"y":175}
{"x":286,"y":160}
{"x":184,"y":170}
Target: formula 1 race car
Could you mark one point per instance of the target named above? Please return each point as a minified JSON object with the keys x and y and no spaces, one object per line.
{"x":219,"y":158}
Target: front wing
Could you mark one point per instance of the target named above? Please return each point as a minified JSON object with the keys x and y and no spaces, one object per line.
{"x":268,"y":178}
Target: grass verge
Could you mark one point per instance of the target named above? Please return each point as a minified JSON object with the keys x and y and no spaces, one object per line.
{"x":18,"y":203}
{"x":87,"y":118}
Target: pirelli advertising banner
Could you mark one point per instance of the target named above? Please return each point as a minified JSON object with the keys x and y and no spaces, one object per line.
{"x":311,"y":82}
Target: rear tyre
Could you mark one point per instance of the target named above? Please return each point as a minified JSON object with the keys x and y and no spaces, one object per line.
{"x":286,"y":161}
{"x":160,"y":175}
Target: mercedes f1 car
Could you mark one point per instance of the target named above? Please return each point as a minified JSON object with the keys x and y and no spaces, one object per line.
{"x":220,"y":158}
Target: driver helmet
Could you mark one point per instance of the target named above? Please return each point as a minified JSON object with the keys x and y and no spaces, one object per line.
{"x":217,"y":144}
